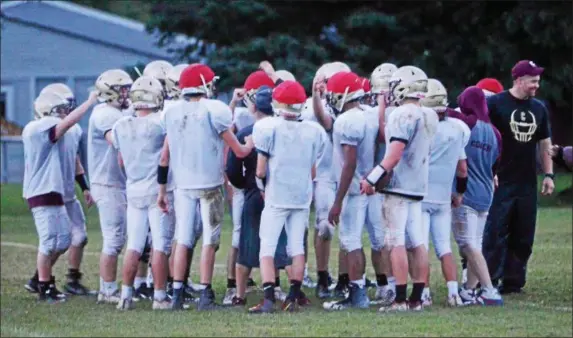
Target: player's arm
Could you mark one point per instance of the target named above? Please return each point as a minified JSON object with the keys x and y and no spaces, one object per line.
{"x":74,"y":117}
{"x":461,"y":176}
{"x":381,"y":118}
{"x":545,"y":144}
{"x":261,"y":171}
{"x":234,"y":171}
{"x":240,"y":150}
{"x":80,"y":175}
{"x":349,"y":154}
{"x":322,"y":117}
{"x":313,"y":172}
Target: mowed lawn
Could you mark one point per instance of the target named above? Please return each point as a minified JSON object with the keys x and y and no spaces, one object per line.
{"x":545,"y":309}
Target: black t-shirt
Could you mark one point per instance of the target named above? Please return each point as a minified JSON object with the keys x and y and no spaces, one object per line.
{"x":522,"y":123}
{"x":241,"y":172}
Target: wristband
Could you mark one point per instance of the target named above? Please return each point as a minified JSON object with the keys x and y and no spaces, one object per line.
{"x":461,"y":184}
{"x":550,"y":175}
{"x":81,"y":180}
{"x":162,"y":174}
{"x":261,"y":182}
{"x":376,"y":175}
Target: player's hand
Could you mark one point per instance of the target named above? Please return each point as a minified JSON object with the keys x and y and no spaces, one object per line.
{"x":267,"y":67}
{"x":88,"y":198}
{"x":334,"y":214}
{"x":547,"y":186}
{"x":319,"y":84}
{"x":554,"y":150}
{"x":457,"y":200}
{"x":238,"y":94}
{"x":249,"y":142}
{"x":366,"y":188}
{"x":93,"y":96}
{"x":495,"y":182}
{"x":162,"y":202}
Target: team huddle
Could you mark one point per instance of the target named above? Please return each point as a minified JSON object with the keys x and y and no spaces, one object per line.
{"x":384,"y":153}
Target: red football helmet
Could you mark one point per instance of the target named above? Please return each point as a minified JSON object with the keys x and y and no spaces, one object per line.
{"x":197,"y":79}
{"x":288,"y":99}
{"x":343,"y":87}
{"x":254,"y":81}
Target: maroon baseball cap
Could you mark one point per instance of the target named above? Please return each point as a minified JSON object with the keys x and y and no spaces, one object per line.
{"x":525,"y":67}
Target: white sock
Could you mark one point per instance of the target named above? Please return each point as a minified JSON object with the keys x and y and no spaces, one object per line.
{"x":149,"y":277}
{"x":426,"y":293}
{"x":101,"y":285}
{"x":177,"y":285}
{"x":159,"y":294}
{"x":452,"y":288}
{"x":126,"y":292}
{"x":306,"y":270}
{"x":138,"y":281}
{"x":360,"y":282}
{"x":110,"y":287}
{"x":392,"y":282}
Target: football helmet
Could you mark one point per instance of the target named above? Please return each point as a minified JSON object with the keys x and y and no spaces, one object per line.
{"x":50,"y":104}
{"x":159,"y":70}
{"x":436,"y":96}
{"x":490,"y":86}
{"x":341,"y":88}
{"x":285,"y":75}
{"x":198,"y":79}
{"x":289,"y":98}
{"x":172,"y":81}
{"x":113,"y":87}
{"x":408,"y":82}
{"x":62,"y":90}
{"x":253,"y":82}
{"x":329,"y":69}
{"x":380,"y":77}
{"x":146,"y":93}
{"x":368,"y":98}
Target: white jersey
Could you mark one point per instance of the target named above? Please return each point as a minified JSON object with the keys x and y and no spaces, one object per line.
{"x":324,"y":166}
{"x":166,"y":105}
{"x":71,"y":140}
{"x":446,"y":149}
{"x":140,"y":140}
{"x":42,"y":160}
{"x":373,"y":117}
{"x":292,"y":147}
{"x":103,"y":164}
{"x":242,"y":118}
{"x":356,"y":128}
{"x":194,"y":131}
{"x":414,"y":126}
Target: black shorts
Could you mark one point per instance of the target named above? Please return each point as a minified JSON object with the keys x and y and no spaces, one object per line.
{"x":249,"y":240}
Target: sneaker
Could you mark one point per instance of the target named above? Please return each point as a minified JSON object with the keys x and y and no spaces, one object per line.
{"x":490,"y":297}
{"x":229,"y":295}
{"x":76,"y":288}
{"x":251,"y":286}
{"x":395,"y":307}
{"x":427,"y":300}
{"x":164,"y":304}
{"x":49,"y":295}
{"x":384,"y":296}
{"x":468,"y":296}
{"x":125,"y":304}
{"x":142,"y":293}
{"x":323,"y":292}
{"x":290,"y":305}
{"x":416,"y":306}
{"x":177,"y":300}
{"x":454,"y":301}
{"x":340,"y":290}
{"x":368,"y":283}
{"x":113,"y":298}
{"x":55,"y":290}
{"x":308,"y":282}
{"x":357,"y":298}
{"x":207,"y":301}
{"x":32,"y":285}
{"x":265,"y":306}
{"x":280,"y":294}
{"x":331,"y":283}
{"x":238,"y":302}
{"x":338,"y":305}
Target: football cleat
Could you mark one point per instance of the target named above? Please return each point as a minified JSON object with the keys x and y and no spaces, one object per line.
{"x":229,"y":295}
{"x":113,"y":298}
{"x":177,"y":300}
{"x":454,"y":301}
{"x":384,"y":296}
{"x":308,"y":282}
{"x":489,"y":297}
{"x":331,"y":283}
{"x":32,"y":286}
{"x":394,"y":307}
{"x":280,"y":294}
{"x":357,"y":298}
{"x":251,"y":286}
{"x":290,"y":305}
{"x":303,"y":299}
{"x":427,"y":300}
{"x":50,"y":296}
{"x":323,"y":292}
{"x":164,"y":304}
{"x":468,"y":296}
{"x":464,"y":276}
{"x":340,"y":290}
{"x":207,"y":301}
{"x":265,"y":306}
{"x":143,"y":293}
{"x":416,"y":306}
{"x":76,"y":288}
{"x":125,"y":304}
{"x":237,"y":301}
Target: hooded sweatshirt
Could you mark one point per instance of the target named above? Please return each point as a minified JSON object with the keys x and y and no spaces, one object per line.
{"x":483,"y":149}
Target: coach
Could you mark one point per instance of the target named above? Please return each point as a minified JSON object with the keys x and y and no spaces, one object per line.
{"x":523,"y":122}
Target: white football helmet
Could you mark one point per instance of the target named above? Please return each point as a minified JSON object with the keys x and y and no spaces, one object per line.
{"x":146,"y":93}
{"x":172,"y":81}
{"x":50,"y":104}
{"x":436,"y":96}
{"x":407,"y":82}
{"x":285,"y":75}
{"x":329,"y":69}
{"x":113,"y":87}
{"x":158,"y":69}
{"x":62,"y":90}
{"x":380,"y":77}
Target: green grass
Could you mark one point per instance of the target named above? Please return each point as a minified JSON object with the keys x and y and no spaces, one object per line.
{"x":543,"y":310}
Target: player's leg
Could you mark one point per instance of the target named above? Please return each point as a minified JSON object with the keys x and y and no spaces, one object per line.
{"x":140,"y":288}
{"x":520,"y":241}
{"x":428,"y":218}
{"x":394,"y":219}
{"x":324,"y":232}
{"x":112,"y":210}
{"x":212,"y":212}
{"x":384,"y":294}
{"x":271,"y":225}
{"x":352,"y":219}
{"x":75,"y":253}
{"x":237,"y":209}
{"x":295,"y":226}
{"x":284,"y":262}
{"x":185,"y":205}
{"x":191,"y":287}
{"x":468,"y":229}
{"x":420,"y":254}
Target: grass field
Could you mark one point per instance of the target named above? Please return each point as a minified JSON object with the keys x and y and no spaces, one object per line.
{"x":544,"y":309}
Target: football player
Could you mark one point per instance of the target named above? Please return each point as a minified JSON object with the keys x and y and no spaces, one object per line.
{"x":354,"y":141}
{"x":107,"y":177}
{"x":197,"y":128}
{"x":447,"y":159}
{"x":409,"y":131}
{"x":73,"y":170}
{"x":247,"y":94}
{"x":45,"y":142}
{"x":471,"y":211}
{"x":139,"y":140}
{"x":290,"y":149}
